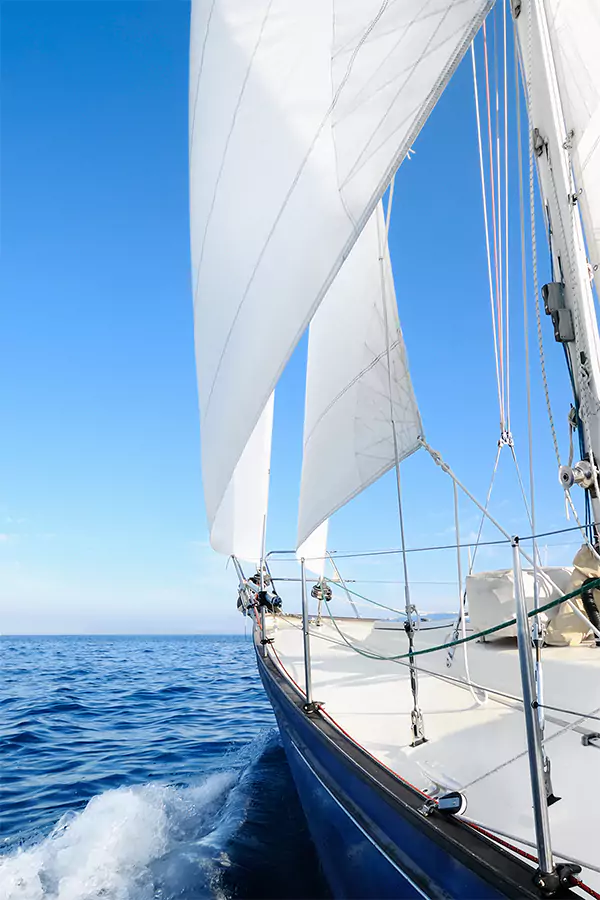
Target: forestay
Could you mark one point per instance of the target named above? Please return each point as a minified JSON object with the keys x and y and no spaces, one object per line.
{"x":575,"y":37}
{"x":299,"y":115}
{"x":238,"y":527}
{"x":348,"y":433}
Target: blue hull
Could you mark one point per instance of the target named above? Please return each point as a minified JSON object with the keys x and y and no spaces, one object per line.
{"x":365,"y":822}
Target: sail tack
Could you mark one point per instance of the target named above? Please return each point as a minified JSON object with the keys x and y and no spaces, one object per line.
{"x":348,"y":433}
{"x":299,"y":115}
{"x":575,"y":38}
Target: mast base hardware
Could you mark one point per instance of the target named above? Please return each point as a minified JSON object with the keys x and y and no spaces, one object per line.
{"x":267,"y":641}
{"x":551,"y":884}
{"x":312,"y":708}
{"x":591,"y":740}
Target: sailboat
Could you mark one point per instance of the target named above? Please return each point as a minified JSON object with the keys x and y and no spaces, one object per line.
{"x":456,"y":762}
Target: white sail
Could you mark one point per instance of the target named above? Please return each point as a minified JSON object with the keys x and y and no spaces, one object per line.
{"x":238,"y":526}
{"x":348,"y":435}
{"x":299,"y":115}
{"x":314,"y":550}
{"x":574,"y":27}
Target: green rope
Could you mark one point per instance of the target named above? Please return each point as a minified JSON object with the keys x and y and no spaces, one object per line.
{"x":400,"y":612}
{"x":591,"y":585}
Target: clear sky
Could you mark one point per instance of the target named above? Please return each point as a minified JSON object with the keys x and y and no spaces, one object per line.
{"x":102,"y":525}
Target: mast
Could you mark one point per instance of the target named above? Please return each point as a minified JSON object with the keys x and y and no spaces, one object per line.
{"x":568,"y":299}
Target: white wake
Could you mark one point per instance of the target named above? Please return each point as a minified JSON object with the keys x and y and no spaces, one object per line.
{"x":137,"y":843}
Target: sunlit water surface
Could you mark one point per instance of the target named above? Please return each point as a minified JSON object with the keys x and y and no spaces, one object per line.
{"x":135,"y":768}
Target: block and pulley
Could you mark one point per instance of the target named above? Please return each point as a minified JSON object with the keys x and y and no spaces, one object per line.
{"x":562,"y":318}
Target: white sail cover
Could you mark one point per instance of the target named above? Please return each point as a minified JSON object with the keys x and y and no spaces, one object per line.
{"x":299,"y":115}
{"x":237,"y":528}
{"x":348,"y":435}
{"x":574,"y":27}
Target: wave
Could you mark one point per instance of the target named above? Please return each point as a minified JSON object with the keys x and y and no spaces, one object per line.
{"x":234,"y":834}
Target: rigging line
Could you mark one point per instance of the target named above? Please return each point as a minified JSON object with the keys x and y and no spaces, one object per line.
{"x":458,"y":682}
{"x":344,"y":585}
{"x":487,"y":230}
{"x":416,"y":716}
{"x":487,"y":503}
{"x":461,"y":596}
{"x":523,"y":753}
{"x":491,"y":153}
{"x":536,"y":289}
{"x":568,"y":712}
{"x":565,"y":598}
{"x":499,"y":212}
{"x":506,"y":285}
{"x":383,"y":252}
{"x":513,"y":837}
{"x":350,"y":555}
{"x":525,"y":313}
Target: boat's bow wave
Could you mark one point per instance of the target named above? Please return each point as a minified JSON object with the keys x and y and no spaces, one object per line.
{"x":160,"y":841}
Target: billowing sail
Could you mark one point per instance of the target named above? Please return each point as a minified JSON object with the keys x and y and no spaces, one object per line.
{"x":574,"y":27}
{"x":348,"y":435}
{"x":238,"y":526}
{"x":299,"y":115}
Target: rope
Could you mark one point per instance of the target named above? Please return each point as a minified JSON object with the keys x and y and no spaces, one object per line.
{"x":461,"y":597}
{"x":382,"y":252}
{"x":591,"y":585}
{"x":487,"y":232}
{"x":494,"y":222}
{"x":459,"y":682}
{"x":506,"y":284}
{"x":347,"y":554}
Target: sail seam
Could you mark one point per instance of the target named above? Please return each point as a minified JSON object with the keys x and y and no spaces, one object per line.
{"x":360,"y":162}
{"x":226,"y":148}
{"x":347,"y":387}
{"x":432,"y":98}
{"x":200,"y":69}
{"x":350,"y":496}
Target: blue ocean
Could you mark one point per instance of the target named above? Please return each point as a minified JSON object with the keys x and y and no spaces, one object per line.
{"x":134,"y":768}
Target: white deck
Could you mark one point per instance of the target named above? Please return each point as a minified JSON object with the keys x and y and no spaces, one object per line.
{"x":466,"y":742}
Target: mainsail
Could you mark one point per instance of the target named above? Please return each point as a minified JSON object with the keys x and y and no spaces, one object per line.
{"x":348,"y":432}
{"x":299,"y":115}
{"x":574,"y":29}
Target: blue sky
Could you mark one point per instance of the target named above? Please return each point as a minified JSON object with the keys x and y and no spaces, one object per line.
{"x":102,"y":525}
